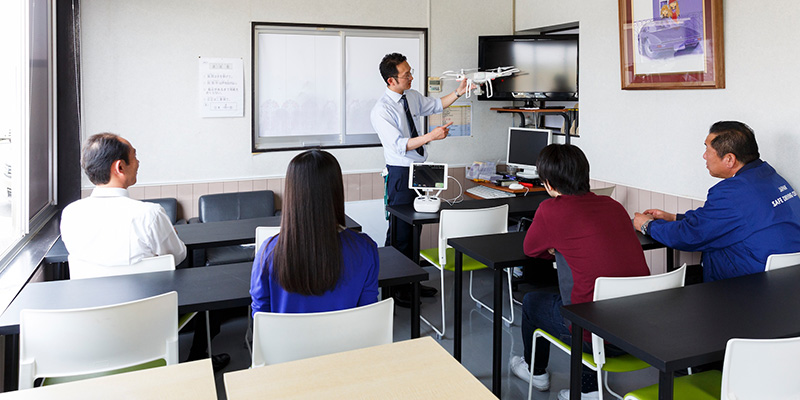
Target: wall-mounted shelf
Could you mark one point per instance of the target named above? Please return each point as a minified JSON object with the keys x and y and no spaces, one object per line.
{"x":570,"y":117}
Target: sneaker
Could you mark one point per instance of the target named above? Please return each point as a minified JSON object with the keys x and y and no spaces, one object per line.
{"x":523,"y":371}
{"x":564,"y":395}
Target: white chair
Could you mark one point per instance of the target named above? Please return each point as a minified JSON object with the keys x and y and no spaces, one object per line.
{"x":753,"y":369}
{"x":461,"y":223}
{"x":280,"y":338}
{"x":609,"y":288}
{"x":69,"y":343}
{"x":776,"y":261}
{"x":606,"y":191}
{"x":265,"y":232}
{"x":761,"y":369}
{"x":80,"y":269}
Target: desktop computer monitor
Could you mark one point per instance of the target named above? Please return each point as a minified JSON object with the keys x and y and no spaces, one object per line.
{"x":428,"y":176}
{"x":524,"y":146}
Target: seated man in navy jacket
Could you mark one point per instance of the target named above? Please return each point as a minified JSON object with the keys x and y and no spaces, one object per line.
{"x":752,"y":213}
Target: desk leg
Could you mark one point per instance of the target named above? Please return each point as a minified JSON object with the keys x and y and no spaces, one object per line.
{"x":415,"y":310}
{"x":497,"y":334}
{"x":417,"y":229}
{"x":575,"y":365}
{"x":671,"y":253}
{"x":665,"y":385}
{"x":457,"y":292}
{"x":392,"y":230}
{"x":11,"y":365}
{"x":190,"y":257}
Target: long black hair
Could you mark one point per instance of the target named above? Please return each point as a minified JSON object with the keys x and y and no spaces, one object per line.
{"x":307,"y":259}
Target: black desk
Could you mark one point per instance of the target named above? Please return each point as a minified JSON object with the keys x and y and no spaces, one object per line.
{"x":204,"y":235}
{"x":498,"y":251}
{"x":517,"y":207}
{"x":679,"y":328}
{"x":199,"y":289}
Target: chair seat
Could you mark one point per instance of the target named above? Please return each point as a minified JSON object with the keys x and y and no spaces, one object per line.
{"x":468,"y":263}
{"x":623,"y":363}
{"x":64,"y":379}
{"x":230,"y":254}
{"x":701,"y":386}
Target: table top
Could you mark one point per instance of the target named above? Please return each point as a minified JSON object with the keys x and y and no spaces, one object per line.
{"x":199,"y":289}
{"x":517,"y":206}
{"x":684,"y":327}
{"x":369,"y":373}
{"x":191,"y":381}
{"x":503,"y":250}
{"x":207,"y":234}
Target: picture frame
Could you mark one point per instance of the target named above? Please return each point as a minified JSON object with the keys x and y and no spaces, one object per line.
{"x":671,"y":44}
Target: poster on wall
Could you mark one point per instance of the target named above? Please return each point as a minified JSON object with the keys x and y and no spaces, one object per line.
{"x":221,"y":87}
{"x":459,"y":115}
{"x":671,"y":44}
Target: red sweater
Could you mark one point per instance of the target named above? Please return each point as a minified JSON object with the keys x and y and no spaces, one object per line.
{"x":593,"y":233}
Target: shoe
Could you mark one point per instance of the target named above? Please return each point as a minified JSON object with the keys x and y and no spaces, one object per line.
{"x":220,"y":361}
{"x":564,"y":395}
{"x":427,"y":291}
{"x":402,"y":298}
{"x":522,"y":371}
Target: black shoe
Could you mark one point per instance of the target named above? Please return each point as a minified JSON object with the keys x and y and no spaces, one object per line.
{"x":427,"y":291}
{"x":220,"y":361}
{"x":402,"y":298}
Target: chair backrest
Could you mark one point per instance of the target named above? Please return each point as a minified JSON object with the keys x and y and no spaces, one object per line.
{"x":265,"y":232}
{"x":761,"y":369}
{"x":170,"y":205}
{"x":58,"y":343}
{"x":280,"y":338}
{"x":612,"y":287}
{"x":235,"y":206}
{"x":606,"y":191}
{"x":471,"y":222}
{"x":79,"y":269}
{"x":777,"y":261}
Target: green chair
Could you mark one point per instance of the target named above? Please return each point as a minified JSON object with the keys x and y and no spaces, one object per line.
{"x":608,"y":288}
{"x":88,"y":342}
{"x":461,"y":223}
{"x":700,"y":386}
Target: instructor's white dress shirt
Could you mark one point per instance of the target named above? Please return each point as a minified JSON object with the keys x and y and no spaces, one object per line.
{"x":389,"y":120}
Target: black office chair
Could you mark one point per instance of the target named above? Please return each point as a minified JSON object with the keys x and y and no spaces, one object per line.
{"x":170,"y":205}
{"x":233,"y":206}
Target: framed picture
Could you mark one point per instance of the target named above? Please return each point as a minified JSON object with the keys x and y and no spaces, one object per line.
{"x":671,"y":44}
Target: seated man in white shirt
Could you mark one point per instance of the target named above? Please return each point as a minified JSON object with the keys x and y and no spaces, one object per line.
{"x":109,"y":228}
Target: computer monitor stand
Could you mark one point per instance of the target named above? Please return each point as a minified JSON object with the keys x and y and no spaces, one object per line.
{"x":530,"y":173}
{"x":427,"y":203}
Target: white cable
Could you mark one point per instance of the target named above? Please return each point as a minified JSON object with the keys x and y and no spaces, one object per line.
{"x":459,"y":198}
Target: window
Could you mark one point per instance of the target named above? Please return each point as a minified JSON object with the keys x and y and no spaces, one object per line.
{"x":26,"y":119}
{"x":314,"y":86}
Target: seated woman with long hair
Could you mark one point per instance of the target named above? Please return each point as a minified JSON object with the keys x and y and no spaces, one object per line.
{"x":315,"y":264}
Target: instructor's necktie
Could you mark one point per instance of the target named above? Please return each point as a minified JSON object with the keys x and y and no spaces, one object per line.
{"x":411,"y":126}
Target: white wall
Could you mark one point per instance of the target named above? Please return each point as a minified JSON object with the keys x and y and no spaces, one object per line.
{"x":654,"y":139}
{"x":140,"y":78}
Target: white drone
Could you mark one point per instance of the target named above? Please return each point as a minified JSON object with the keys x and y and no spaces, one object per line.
{"x":479,"y":78}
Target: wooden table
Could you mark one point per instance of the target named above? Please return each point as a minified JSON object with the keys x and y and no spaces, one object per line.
{"x":413,"y":369}
{"x":679,"y":328}
{"x":191,"y":381}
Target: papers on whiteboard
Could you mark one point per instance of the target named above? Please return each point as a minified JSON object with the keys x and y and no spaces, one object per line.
{"x":221,"y":87}
{"x":459,"y":115}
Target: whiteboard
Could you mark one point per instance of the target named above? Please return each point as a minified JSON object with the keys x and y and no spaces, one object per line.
{"x":314,"y":86}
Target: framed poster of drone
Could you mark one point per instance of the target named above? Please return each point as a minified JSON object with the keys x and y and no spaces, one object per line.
{"x":314,"y":85}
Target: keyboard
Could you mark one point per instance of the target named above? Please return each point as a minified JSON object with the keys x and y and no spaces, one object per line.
{"x":488,"y":193}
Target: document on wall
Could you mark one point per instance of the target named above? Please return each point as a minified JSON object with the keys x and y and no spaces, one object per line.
{"x":221,"y":87}
{"x":460,"y":116}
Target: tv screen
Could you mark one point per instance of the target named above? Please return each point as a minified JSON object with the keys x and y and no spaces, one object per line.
{"x":548,"y":66}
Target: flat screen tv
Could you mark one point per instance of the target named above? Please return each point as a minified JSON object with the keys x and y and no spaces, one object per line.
{"x":548,"y":67}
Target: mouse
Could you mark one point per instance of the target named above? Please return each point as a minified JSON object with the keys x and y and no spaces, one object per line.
{"x":516,"y":186}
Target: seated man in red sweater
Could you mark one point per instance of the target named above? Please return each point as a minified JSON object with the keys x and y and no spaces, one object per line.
{"x":590,"y":236}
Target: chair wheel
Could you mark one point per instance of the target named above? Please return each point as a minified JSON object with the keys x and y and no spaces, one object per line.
{"x":438,"y":337}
